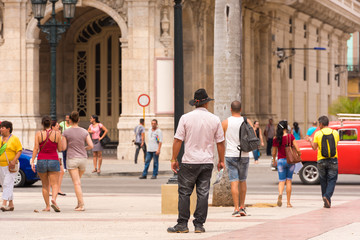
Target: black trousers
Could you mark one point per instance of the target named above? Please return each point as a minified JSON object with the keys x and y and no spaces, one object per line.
{"x":191,"y":175}
{"x":138,"y":150}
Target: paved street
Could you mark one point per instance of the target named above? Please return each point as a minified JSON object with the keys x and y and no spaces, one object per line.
{"x":121,"y":206}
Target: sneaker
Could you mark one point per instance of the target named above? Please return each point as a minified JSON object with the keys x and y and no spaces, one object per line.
{"x":242,"y":212}
{"x":178,"y":229}
{"x":199,"y":229}
{"x":153,"y":177}
{"x":327,"y":204}
{"x":142,"y":177}
{"x":236,"y":214}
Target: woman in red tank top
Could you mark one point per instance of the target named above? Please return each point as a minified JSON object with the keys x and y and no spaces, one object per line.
{"x":47,"y":143}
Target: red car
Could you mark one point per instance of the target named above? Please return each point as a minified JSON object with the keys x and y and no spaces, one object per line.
{"x":348,"y":152}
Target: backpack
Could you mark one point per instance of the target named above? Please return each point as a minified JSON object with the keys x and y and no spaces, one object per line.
{"x":248,"y":140}
{"x":328,"y":147}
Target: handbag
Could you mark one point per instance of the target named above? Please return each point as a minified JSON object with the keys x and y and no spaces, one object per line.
{"x":105,"y":140}
{"x":14,"y":169}
{"x":292,"y":155}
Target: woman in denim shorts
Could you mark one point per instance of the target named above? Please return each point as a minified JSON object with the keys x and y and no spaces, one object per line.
{"x":47,"y":143}
{"x":285,"y":170}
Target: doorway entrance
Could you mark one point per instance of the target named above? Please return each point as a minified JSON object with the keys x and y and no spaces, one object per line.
{"x":97,"y":73}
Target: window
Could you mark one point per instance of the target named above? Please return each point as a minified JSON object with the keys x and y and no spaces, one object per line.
{"x":317,"y":35}
{"x":290,"y":73}
{"x":328,"y":78}
{"x":304,"y":73}
{"x":304,"y":30}
{"x":290,"y":23}
{"x":317,"y":75}
{"x":348,"y":134}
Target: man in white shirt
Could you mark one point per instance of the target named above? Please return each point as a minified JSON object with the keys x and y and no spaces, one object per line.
{"x":199,"y":129}
{"x":153,"y":149}
{"x":236,"y":167}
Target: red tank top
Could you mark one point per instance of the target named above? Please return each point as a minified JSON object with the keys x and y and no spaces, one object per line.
{"x":48,"y":149}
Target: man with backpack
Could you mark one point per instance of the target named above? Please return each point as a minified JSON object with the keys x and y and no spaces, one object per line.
{"x":237,"y":161}
{"x":326,"y":141}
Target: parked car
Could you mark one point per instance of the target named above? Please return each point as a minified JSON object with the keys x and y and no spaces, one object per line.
{"x":25,"y":176}
{"x":348,"y":152}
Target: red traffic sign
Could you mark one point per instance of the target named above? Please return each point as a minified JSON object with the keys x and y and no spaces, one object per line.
{"x":144,"y":100}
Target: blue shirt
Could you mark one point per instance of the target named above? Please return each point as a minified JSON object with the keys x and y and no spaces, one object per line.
{"x":311,"y":130}
{"x":296,"y":134}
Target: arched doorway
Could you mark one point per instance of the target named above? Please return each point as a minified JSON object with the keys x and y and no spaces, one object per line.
{"x":97,"y":72}
{"x":88,"y":70}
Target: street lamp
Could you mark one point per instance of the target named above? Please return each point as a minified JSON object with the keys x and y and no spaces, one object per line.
{"x":178,"y":75}
{"x":53,"y":29}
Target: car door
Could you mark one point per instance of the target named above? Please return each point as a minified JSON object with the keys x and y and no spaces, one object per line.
{"x":349,"y":150}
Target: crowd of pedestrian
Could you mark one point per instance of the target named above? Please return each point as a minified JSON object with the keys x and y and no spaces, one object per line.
{"x":65,"y":145}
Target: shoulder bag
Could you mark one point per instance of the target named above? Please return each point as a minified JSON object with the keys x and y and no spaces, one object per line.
{"x":105,"y":139}
{"x":292,"y":155}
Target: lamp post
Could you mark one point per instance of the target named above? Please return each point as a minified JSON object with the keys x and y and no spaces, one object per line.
{"x":53,"y":29}
{"x":178,"y":75}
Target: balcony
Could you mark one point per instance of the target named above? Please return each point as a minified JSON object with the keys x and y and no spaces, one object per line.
{"x":342,"y":14}
{"x":353,"y":71}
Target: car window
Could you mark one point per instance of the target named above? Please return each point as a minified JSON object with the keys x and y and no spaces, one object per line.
{"x":348,"y":134}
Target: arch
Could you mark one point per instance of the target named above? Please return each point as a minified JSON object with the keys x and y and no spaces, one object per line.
{"x":32,"y":31}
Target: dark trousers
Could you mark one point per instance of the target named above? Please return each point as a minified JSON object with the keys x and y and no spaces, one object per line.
{"x":269,"y":146}
{"x":328,"y":173}
{"x":138,"y":150}
{"x":191,"y":175}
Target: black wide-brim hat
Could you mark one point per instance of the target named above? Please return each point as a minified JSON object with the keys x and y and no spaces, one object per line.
{"x":200,"y":98}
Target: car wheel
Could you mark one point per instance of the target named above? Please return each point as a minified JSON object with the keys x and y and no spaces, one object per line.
{"x":309,"y":174}
{"x":19,"y":180}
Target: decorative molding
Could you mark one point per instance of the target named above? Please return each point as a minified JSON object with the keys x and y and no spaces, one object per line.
{"x":119,"y":6}
{"x":165,"y":37}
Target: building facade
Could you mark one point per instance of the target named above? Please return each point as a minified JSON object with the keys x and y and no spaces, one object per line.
{"x":116,"y":50}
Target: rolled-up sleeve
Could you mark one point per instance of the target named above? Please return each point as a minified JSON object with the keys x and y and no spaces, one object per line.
{"x":180,"y":131}
{"x":219,"y":133}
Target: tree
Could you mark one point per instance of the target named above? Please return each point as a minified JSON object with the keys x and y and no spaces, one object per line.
{"x":345,"y":105}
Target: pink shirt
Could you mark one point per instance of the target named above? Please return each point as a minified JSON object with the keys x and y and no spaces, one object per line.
{"x":199,"y":129}
{"x":96,"y":130}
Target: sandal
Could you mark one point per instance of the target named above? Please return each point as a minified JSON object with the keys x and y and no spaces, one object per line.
{"x":289,"y":206}
{"x":80,"y":208}
{"x":62,"y":194}
{"x":5,"y":208}
{"x":55,"y":206}
{"x":94,"y":171}
{"x":98,"y":171}
{"x":279,"y":202}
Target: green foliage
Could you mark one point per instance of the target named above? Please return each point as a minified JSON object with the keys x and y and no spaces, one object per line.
{"x":345,"y":105}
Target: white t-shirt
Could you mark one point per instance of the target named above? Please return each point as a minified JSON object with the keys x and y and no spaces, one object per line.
{"x":232,"y":137}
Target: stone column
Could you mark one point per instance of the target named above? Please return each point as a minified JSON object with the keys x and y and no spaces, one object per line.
{"x":227,"y":55}
{"x":138,"y":77}
{"x":20,"y":97}
{"x":227,"y":73}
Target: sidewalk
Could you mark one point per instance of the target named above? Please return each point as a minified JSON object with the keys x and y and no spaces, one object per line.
{"x":137,"y":216}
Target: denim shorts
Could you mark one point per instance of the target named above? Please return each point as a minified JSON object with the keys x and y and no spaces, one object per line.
{"x":285,"y":170}
{"x":237,"y":170}
{"x":44,"y":166}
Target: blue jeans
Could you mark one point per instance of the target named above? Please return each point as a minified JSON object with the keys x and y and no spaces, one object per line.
{"x":256,"y":154}
{"x":149,"y":156}
{"x":237,"y":169}
{"x":285,"y":170}
{"x":328,"y":173}
{"x":44,"y":166}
